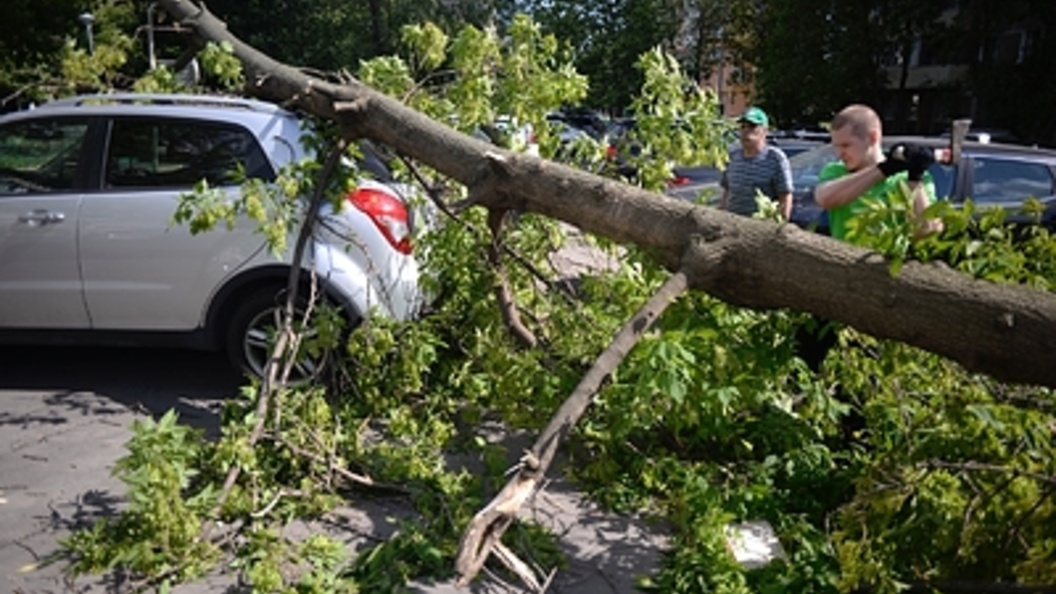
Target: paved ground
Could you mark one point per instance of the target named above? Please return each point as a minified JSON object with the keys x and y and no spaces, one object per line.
{"x":65,"y":416}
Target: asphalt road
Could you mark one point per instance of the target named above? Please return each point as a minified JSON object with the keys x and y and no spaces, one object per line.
{"x":66,"y":414}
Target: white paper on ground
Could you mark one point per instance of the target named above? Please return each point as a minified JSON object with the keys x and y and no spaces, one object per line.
{"x":754,"y":543}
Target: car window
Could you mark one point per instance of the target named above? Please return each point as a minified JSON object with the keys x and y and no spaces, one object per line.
{"x":375,"y":161}
{"x":807,"y":165}
{"x":1007,"y":182}
{"x":160,"y":153}
{"x":791,"y":150}
{"x":40,"y":156}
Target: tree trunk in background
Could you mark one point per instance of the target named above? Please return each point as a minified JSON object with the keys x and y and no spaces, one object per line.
{"x":903,"y":99}
{"x":376,"y":26}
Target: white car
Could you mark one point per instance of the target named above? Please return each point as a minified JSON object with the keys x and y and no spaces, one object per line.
{"x":89,"y":253}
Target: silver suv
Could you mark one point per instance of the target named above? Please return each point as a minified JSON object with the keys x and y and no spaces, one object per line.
{"x":89,"y":254}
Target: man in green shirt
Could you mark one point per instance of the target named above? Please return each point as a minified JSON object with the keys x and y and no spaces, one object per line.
{"x":864,"y":172}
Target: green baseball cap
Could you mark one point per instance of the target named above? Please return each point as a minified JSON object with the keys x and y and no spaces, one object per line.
{"x":754,"y":115}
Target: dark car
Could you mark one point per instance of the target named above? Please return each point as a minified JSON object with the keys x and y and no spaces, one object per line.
{"x":591,"y":122}
{"x":794,"y":146}
{"x":1001,"y":175}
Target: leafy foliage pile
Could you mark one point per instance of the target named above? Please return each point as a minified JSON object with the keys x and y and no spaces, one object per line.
{"x":890,"y":466}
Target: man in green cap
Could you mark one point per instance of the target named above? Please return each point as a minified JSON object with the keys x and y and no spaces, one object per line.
{"x":756,"y":167}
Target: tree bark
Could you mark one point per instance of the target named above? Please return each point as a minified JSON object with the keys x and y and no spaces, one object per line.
{"x":1008,"y":332}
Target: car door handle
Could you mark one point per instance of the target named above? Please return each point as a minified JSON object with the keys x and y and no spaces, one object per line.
{"x":42,"y":217}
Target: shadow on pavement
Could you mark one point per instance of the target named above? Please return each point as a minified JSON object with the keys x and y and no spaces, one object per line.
{"x":83,"y":381}
{"x":66,"y":412}
{"x":65,"y":416}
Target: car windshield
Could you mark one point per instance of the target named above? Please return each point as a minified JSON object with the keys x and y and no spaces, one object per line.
{"x":807,"y":165}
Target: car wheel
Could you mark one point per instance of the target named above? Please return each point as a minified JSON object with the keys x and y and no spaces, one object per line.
{"x":251,"y":334}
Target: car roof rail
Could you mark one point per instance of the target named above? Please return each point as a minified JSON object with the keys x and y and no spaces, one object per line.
{"x":165,"y":99}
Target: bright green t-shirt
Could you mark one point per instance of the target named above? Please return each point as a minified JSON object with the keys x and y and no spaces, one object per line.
{"x":839,"y":216}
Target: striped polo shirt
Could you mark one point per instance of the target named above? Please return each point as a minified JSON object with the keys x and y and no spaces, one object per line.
{"x":767,"y":172}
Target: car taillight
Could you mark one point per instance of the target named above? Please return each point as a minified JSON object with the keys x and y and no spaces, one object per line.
{"x":678,"y":180}
{"x":388,"y":213}
{"x":611,"y":152}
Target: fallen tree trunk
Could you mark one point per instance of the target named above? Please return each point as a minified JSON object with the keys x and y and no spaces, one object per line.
{"x":1008,"y":332}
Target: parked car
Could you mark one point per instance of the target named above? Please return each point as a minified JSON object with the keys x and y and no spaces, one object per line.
{"x":622,"y":146}
{"x":701,"y":183}
{"x":986,"y":135}
{"x":695,"y":184}
{"x":505,"y":131}
{"x":588,"y":121}
{"x":802,"y":133}
{"x":990,"y":174}
{"x":793,"y":146}
{"x":89,"y":253}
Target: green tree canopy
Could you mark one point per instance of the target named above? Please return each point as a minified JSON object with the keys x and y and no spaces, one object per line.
{"x":607,"y":38}
{"x":32,"y":36}
{"x":811,"y":57}
{"x":336,"y":34}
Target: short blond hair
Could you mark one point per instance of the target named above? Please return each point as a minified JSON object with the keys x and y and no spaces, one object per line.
{"x":861,"y":118}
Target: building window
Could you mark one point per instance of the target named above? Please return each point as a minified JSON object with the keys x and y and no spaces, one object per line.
{"x":1009,"y":47}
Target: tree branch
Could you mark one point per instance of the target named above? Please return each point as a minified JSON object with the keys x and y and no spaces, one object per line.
{"x":488,"y":525}
{"x":966,"y":587}
{"x":507,"y":303}
{"x":983,"y":467}
{"x":273,"y":368}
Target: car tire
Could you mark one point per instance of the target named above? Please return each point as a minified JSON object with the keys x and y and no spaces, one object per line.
{"x":251,"y":331}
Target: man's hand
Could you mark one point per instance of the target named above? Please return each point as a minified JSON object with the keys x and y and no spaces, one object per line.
{"x":919,"y":158}
{"x":894,"y":162}
{"x":913,"y":158}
